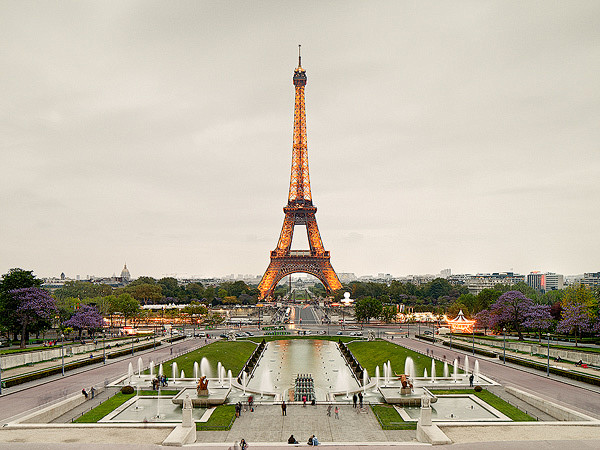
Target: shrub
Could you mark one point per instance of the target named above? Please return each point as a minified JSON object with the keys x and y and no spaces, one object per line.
{"x":127,"y":390}
{"x":478,"y":389}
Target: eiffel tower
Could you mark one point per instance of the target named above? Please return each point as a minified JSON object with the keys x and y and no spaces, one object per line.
{"x":299,"y":211}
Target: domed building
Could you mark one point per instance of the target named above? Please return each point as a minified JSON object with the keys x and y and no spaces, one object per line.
{"x":125,"y":275}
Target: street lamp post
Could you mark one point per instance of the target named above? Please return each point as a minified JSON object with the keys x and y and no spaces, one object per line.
{"x":504,"y":348}
{"x":473,"y":340}
{"x":0,"y":374}
{"x":450,"y":341}
{"x":548,"y":364}
{"x":103,"y":346}
{"x":433,"y":331}
{"x":62,"y":352}
{"x":131,"y":345}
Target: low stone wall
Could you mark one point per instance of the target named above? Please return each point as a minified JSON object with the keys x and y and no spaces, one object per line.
{"x":552,"y":409}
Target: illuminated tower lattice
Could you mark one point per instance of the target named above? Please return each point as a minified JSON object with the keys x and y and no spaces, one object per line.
{"x":299,"y":211}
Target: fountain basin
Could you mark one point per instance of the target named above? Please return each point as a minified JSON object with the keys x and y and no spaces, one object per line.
{"x":216,"y":396}
{"x":393,"y":396}
{"x":456,"y":408}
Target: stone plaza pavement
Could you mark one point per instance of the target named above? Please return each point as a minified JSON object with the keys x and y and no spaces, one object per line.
{"x":266,"y":424}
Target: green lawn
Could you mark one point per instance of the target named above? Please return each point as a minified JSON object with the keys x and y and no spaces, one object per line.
{"x":104,"y":408}
{"x":221,"y":419}
{"x":389,"y":419}
{"x":508,"y":410}
{"x":232,"y":354}
{"x":375,"y":353}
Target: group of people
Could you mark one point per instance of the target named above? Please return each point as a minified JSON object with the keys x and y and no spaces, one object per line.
{"x":337,"y":411}
{"x":311,"y":440}
{"x":161,"y":381}
{"x":357,"y":399}
{"x":238,"y":409}
{"x":92,"y":392}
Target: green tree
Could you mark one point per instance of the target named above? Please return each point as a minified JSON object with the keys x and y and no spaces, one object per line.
{"x":82,"y":289}
{"x":194,"y":290}
{"x":169,"y":287}
{"x":388,"y":314}
{"x":367,"y":308}
{"x":581,"y":295}
{"x":143,"y":280}
{"x":128,"y":306}
{"x":145,"y":293}
{"x":195,"y":310}
{"x":485,"y":299}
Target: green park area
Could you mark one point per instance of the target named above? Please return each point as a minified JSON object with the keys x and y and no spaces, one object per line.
{"x":375,"y":353}
{"x":232,"y":355}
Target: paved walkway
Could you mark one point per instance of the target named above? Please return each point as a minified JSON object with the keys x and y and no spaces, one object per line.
{"x":266,"y":424}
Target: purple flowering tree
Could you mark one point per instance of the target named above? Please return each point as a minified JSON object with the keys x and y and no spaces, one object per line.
{"x":482,"y":320}
{"x":539,"y":318}
{"x":510,"y":311}
{"x":85,"y":318}
{"x":575,"y":319}
{"x":35,"y":307}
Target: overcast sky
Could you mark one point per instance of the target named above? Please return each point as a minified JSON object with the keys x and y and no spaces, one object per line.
{"x":462,"y":135}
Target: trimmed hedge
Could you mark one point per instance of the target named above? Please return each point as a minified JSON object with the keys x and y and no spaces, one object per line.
{"x":470,"y":349}
{"x":555,"y":370}
{"x":127,"y":351}
{"x":173,"y":339}
{"x":424,"y":338}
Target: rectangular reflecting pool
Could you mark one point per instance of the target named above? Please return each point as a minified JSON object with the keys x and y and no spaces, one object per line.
{"x":283,"y":360}
{"x":456,"y":408}
{"x":150,"y":409}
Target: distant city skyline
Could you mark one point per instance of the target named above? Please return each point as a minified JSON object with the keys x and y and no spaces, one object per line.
{"x":458,"y":135}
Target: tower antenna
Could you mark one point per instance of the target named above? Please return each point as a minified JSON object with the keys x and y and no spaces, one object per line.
{"x":299,"y":57}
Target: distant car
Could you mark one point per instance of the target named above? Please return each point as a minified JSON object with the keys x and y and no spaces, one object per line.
{"x":339,"y":333}
{"x":427,"y":332}
{"x":353,"y":327}
{"x":322,"y":332}
{"x":223,"y":335}
{"x":249,"y":334}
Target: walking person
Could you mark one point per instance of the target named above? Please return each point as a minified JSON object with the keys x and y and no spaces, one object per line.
{"x":360,"y":399}
{"x":471,"y":378}
{"x":354,"y":400}
{"x":283,"y":408}
{"x":92,"y":391}
{"x":329,"y":410}
{"x":85,"y":394}
{"x":337,"y":412}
